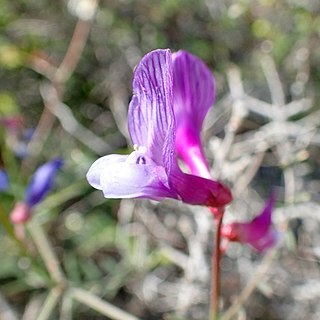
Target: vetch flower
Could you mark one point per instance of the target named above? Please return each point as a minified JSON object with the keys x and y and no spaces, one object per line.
{"x":258,"y":233}
{"x":193,"y":94}
{"x":151,"y":170}
{"x":40,"y":184}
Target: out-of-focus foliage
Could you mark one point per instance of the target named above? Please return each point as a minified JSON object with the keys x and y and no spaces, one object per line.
{"x":117,"y":251}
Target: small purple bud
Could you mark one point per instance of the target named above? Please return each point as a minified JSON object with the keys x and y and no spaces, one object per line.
{"x":41,"y":182}
{"x":258,"y":233}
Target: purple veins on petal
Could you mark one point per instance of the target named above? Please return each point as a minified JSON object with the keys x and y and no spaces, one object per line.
{"x":41,"y":182}
{"x":145,"y":172}
{"x":150,"y":115}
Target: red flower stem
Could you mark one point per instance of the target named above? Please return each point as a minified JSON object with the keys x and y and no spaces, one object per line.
{"x":216,"y":258}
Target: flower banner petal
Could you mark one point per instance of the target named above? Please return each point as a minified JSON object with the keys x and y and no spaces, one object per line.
{"x":150,"y":115}
{"x":190,"y":150}
{"x":193,"y":90}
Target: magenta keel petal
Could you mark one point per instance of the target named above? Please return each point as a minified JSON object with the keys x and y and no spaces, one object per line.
{"x":199,"y":191}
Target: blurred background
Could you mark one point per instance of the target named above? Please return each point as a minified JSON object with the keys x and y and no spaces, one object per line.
{"x":65,"y":83}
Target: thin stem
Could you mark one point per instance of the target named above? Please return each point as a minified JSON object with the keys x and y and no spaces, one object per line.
{"x":50,"y":303}
{"x":33,"y":307}
{"x":275,"y":85}
{"x":58,"y":77}
{"x":216,"y":258}
{"x":73,"y":54}
{"x":66,"y":307}
{"x":45,"y":249}
{"x":100,"y":305}
{"x":251,"y":286}
{"x":41,"y":133}
{"x":69,"y":122}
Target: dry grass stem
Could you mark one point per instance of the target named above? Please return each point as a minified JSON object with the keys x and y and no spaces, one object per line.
{"x":45,"y":249}
{"x":100,"y":305}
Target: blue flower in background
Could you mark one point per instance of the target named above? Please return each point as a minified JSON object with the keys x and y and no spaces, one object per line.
{"x":40,"y":184}
{"x":4,"y":180}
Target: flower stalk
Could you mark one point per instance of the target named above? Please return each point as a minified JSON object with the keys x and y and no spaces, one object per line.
{"x":216,"y":258}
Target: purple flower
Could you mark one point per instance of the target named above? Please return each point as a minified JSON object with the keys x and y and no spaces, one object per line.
{"x":4,"y":180}
{"x":40,"y":184}
{"x":151,"y":170}
{"x":193,"y":93}
{"x":259,"y":233}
